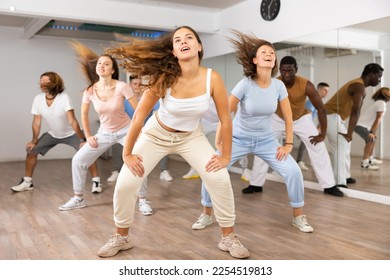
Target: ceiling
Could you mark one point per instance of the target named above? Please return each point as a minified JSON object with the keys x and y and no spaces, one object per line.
{"x":38,"y":26}
{"x":103,"y":31}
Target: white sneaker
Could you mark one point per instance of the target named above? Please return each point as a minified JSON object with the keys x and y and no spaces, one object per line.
{"x":165,"y":176}
{"x":73,"y":203}
{"x":203,"y":221}
{"x":246,"y":175}
{"x":96,"y":187}
{"x":303,"y":166}
{"x":375,"y":161}
{"x":369,"y":166}
{"x":23,"y":186}
{"x":191,"y":174}
{"x":145,"y":208}
{"x":301,"y":223}
{"x":113,"y":177}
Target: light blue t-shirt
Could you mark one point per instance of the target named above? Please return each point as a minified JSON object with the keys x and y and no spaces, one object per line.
{"x":130,"y":111}
{"x":253,"y":117}
{"x":310,"y":106}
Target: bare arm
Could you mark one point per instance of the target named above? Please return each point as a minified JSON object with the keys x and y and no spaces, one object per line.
{"x":358,"y":93}
{"x":144,"y":107}
{"x":316,"y":100}
{"x":36,"y":129}
{"x":375,"y":125}
{"x":224,"y":132}
{"x":133,"y":102}
{"x":287,"y":116}
{"x":74,"y":123}
{"x":86,"y":125}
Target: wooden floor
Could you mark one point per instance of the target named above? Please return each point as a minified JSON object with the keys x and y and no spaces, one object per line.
{"x":370,"y":181}
{"x":32,"y":227}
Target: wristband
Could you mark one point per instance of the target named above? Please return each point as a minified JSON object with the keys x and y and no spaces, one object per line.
{"x":292,"y":144}
{"x":83,"y":140}
{"x":371,"y":132}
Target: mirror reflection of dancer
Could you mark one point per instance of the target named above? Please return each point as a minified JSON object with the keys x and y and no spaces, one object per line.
{"x":346,"y":104}
{"x":56,"y":108}
{"x":368,"y":125}
{"x":184,"y":89}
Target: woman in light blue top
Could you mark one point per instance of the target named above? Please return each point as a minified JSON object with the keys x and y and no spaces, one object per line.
{"x":254,"y":99}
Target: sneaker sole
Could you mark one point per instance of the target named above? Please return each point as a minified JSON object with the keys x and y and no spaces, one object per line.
{"x":28,"y":189}
{"x":201,"y":227}
{"x":303,"y":230}
{"x":110,"y":254}
{"x":162,"y":179}
{"x":97,"y":191}
{"x":147,"y":213}
{"x":226,"y":249}
{"x":67,"y":209}
{"x":370,"y":168}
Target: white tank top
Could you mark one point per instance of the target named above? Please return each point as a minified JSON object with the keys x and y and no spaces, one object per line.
{"x":184,"y":114}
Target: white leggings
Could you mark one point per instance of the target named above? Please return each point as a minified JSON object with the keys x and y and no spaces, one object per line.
{"x":87,"y":155}
{"x":153,"y":144}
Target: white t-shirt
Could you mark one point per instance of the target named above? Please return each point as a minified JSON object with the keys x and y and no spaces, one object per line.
{"x":55,"y":115}
{"x":368,"y":117}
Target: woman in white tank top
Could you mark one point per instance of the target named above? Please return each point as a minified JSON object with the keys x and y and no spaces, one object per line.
{"x":172,"y":64}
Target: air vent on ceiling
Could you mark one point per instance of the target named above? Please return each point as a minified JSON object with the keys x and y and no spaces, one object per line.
{"x":334,"y":52}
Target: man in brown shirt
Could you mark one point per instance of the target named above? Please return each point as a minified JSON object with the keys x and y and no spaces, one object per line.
{"x":346,"y":103}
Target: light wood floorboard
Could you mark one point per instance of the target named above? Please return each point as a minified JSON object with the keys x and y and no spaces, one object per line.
{"x":32,"y":227}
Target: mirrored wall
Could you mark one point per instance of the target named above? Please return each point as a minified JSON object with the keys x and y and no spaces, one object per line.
{"x":336,"y":57}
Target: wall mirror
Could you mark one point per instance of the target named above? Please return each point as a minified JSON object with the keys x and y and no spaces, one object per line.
{"x":337,"y":56}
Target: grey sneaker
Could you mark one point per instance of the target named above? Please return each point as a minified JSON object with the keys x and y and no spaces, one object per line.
{"x":116,"y":243}
{"x":301,"y":223}
{"x":23,"y":186}
{"x":203,"y":221}
{"x":233,"y":245}
{"x":96,"y":187}
{"x":73,"y":203}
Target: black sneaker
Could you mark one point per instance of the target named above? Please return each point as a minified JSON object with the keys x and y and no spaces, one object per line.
{"x":351,"y":180}
{"x":334,"y":191}
{"x":252,"y":189}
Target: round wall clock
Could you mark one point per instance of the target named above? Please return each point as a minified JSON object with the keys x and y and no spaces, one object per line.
{"x":269,"y":9}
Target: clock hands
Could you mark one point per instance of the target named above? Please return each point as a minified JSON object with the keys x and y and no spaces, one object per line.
{"x":269,"y":8}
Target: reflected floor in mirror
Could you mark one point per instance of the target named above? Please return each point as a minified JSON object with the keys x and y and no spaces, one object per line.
{"x":32,"y":227}
{"x":371,"y":181}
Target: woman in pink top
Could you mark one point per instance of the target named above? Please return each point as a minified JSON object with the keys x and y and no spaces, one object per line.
{"x":107,"y":95}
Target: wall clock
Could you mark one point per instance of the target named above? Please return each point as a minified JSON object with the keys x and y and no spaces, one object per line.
{"x":269,"y":9}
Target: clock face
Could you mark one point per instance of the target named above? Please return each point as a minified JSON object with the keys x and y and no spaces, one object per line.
{"x":269,"y":9}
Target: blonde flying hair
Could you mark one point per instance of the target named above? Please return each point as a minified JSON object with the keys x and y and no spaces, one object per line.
{"x":151,"y":58}
{"x":246,"y":47}
{"x":88,"y":60}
